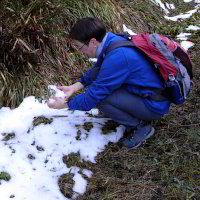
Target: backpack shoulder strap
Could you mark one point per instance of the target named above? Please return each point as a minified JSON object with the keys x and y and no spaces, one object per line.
{"x":183,"y":56}
{"x":117,"y":44}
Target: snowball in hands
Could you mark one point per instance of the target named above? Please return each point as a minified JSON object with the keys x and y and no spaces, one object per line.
{"x":58,"y":93}
{"x":58,"y":101}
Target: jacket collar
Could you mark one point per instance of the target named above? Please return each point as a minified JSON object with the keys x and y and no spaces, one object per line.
{"x":100,"y":47}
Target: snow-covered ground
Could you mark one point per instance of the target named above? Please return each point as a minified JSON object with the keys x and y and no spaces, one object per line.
{"x":32,"y":155}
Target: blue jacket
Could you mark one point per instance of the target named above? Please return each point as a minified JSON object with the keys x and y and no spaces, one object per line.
{"x":122,"y":67}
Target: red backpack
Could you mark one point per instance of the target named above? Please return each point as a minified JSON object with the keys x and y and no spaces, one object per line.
{"x":169,"y":58}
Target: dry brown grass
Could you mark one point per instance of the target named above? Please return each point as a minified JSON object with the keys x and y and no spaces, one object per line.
{"x":35,"y":51}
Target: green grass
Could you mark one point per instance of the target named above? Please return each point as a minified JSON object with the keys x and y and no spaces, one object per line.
{"x":4,"y":176}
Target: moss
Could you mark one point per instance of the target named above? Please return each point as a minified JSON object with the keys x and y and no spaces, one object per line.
{"x":88,"y":126}
{"x":110,"y":126}
{"x":8,"y":136}
{"x":74,"y":159}
{"x":39,"y":148}
{"x":78,"y":136}
{"x":31,"y":157}
{"x":5,"y":176}
{"x":41,"y":120}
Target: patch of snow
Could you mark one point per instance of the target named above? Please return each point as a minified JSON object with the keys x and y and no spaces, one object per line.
{"x":186,"y":44}
{"x":170,"y":6}
{"x":162,"y":5}
{"x":182,"y":16}
{"x":191,"y":27}
{"x":93,"y":60}
{"x":129,"y":31}
{"x":33,"y":157}
{"x":182,"y":36}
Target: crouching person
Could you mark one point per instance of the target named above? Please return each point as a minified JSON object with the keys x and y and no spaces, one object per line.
{"x":121,"y":84}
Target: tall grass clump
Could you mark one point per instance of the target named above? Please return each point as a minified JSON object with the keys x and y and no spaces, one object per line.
{"x":35,"y":50}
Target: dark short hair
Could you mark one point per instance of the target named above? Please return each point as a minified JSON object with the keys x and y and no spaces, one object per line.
{"x":87,"y":28}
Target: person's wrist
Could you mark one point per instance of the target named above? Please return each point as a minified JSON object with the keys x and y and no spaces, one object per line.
{"x":66,"y":102}
{"x":78,"y":86}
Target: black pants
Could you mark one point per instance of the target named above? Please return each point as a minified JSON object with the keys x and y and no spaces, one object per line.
{"x":126,"y":108}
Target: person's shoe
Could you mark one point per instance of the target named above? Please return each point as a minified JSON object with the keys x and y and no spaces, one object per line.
{"x":141,"y":133}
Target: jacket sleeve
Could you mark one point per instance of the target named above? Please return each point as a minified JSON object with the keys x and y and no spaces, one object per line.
{"x":89,"y":76}
{"x":112,"y":75}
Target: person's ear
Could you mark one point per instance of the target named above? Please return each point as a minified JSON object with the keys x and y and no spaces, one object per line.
{"x":93,"y":42}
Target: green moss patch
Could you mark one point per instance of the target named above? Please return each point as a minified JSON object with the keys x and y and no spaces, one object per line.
{"x":5,"y":176}
{"x":110,"y":126}
{"x":8,"y":136}
{"x":78,"y":136}
{"x":74,"y":159}
{"x":41,"y":120}
{"x":86,"y":126}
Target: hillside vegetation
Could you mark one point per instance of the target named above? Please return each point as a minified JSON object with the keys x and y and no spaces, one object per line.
{"x":35,"y":50}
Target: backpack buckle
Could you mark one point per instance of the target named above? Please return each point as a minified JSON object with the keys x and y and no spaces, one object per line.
{"x":171,"y":77}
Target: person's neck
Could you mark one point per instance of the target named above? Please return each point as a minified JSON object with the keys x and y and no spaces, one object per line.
{"x":100,"y":47}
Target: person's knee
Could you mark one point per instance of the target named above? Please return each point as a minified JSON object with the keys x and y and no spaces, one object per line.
{"x":104,"y":102}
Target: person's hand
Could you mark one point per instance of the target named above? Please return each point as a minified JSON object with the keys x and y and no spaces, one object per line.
{"x":68,"y":90}
{"x":57,"y":103}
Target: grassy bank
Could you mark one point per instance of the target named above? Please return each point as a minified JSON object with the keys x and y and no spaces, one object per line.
{"x":35,"y":50}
